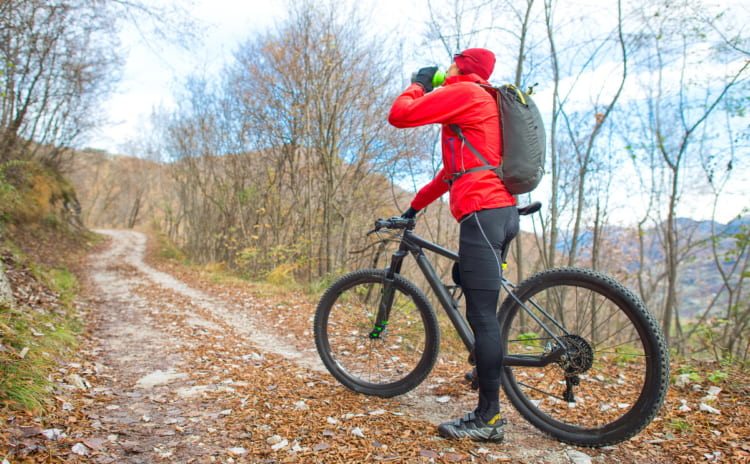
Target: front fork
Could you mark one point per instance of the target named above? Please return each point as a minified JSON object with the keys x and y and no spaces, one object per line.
{"x":389,"y":292}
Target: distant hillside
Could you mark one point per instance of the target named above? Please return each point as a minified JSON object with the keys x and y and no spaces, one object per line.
{"x":118,"y":191}
{"x":698,"y":278}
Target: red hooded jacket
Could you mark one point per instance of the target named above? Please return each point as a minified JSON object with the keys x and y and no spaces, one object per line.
{"x":462,"y":102}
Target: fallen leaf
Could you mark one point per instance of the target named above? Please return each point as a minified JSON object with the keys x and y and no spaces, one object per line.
{"x":455,"y":457}
{"x":80,"y":449}
{"x":30,"y":430}
{"x":95,"y":443}
{"x":280,"y":445}
{"x":709,"y":409}
{"x":53,"y":434}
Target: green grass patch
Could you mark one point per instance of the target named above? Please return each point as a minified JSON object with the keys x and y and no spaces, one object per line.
{"x":32,"y":340}
{"x":169,"y":251}
{"x":682,"y":426}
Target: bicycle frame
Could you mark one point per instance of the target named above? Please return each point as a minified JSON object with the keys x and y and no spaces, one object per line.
{"x":414,"y":244}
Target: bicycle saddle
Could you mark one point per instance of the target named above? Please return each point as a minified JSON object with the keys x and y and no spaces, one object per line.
{"x":531,"y":208}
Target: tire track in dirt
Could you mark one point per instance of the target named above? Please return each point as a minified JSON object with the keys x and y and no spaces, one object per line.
{"x":130,"y":248}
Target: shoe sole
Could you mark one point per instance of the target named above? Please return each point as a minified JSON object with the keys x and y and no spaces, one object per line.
{"x":495,"y":436}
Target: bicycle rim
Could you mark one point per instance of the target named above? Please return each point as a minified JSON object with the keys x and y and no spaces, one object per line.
{"x":391,"y":363}
{"x":612,"y":377}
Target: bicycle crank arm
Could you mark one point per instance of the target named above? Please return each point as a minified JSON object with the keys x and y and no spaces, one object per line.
{"x":534,"y":361}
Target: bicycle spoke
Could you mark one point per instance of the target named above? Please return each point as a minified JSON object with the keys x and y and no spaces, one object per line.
{"x":546,"y":393}
{"x":382,"y":359}
{"x":612,"y":349}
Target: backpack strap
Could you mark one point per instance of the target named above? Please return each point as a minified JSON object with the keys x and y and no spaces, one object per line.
{"x":487,"y":166}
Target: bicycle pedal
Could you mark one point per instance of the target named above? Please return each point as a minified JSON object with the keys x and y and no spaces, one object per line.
{"x":471,"y":377}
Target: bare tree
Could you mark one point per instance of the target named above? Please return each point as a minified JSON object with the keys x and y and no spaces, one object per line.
{"x":677,"y":108}
{"x":580,"y":160}
{"x":59,"y":60}
{"x":723,"y":325}
{"x":311,"y":101}
{"x":287,"y":157}
{"x":56,"y":66}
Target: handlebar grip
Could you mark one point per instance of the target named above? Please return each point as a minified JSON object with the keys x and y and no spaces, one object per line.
{"x":396,"y":222}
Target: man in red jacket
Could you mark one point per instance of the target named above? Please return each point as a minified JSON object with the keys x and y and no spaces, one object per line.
{"x":481,"y":204}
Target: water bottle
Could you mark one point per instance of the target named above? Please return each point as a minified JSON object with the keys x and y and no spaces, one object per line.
{"x":437,"y":80}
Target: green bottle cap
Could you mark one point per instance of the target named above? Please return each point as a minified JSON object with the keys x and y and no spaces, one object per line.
{"x":438,"y":79}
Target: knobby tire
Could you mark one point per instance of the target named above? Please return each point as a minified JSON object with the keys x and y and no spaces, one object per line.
{"x":394,"y":362}
{"x":613,"y":379}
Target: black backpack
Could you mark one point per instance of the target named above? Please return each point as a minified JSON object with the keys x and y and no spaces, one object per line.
{"x":524,"y":141}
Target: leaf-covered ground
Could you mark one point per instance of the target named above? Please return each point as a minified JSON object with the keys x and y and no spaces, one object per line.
{"x":178,"y":367}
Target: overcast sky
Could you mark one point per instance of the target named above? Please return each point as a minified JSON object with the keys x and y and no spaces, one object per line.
{"x":152,"y":74}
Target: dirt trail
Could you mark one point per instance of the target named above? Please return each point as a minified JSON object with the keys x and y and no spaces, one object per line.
{"x":187,"y":372}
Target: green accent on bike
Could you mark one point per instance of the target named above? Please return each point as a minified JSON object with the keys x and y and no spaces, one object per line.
{"x":376,"y":331}
{"x":529,"y":339}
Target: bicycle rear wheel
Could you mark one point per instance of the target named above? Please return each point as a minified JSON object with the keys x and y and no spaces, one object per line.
{"x":604,"y":375}
{"x":382,"y":358}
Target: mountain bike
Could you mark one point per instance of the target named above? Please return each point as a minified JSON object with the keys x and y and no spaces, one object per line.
{"x":585,"y":361}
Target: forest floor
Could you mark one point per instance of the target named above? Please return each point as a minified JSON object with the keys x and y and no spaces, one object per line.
{"x":178,"y":366}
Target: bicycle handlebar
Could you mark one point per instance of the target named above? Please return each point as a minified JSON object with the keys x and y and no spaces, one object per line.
{"x":398,"y":222}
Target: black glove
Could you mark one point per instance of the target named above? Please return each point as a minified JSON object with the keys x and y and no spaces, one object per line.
{"x":424,"y":77}
{"x":410,"y":213}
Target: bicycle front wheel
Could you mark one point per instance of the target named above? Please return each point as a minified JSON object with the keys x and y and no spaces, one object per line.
{"x":376,"y":357}
{"x":587,"y":362}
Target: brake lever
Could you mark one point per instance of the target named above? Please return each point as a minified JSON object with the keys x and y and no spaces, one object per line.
{"x":379,"y":224}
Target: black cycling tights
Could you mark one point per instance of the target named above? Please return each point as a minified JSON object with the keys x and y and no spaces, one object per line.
{"x":485,"y":236}
{"x":482,"y":316}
